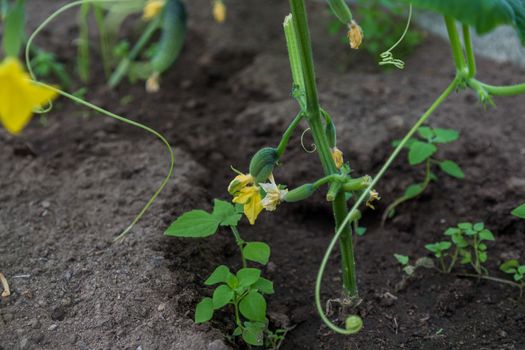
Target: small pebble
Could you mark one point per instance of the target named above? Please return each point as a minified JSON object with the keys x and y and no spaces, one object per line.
{"x":52,"y":327}
{"x":161,"y":307}
{"x":34,"y":323}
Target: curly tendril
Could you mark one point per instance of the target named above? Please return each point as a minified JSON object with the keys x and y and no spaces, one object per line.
{"x":98,"y":109}
{"x":313,"y":145}
{"x":387,"y":57}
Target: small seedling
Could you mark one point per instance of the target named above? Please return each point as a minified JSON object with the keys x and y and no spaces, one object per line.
{"x":514,"y":268}
{"x":244,"y":291}
{"x":410,"y":269}
{"x":469,"y":242}
{"x":421,"y":151}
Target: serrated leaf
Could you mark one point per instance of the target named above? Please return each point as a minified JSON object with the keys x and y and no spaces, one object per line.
{"x":426,"y":133}
{"x":452,"y":168}
{"x":402,"y":259}
{"x":445,"y":135}
{"x":483,"y":15}
{"x":220,"y":275}
{"x":519,"y":211}
{"x":253,"y":306}
{"x":204,"y":311}
{"x":420,"y":151}
{"x":248,"y":276}
{"x":264,"y":286}
{"x":194,"y":224}
{"x":222,"y":295}
{"x":257,"y":251}
{"x":225,"y":213}
{"x":486,"y":235}
{"x":413,"y":191}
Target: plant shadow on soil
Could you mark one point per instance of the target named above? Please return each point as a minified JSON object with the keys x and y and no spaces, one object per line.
{"x":226,"y":98}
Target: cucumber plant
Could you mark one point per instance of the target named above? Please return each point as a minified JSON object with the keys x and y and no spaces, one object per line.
{"x":243,"y":292}
{"x":421,"y":151}
{"x":514,"y":268}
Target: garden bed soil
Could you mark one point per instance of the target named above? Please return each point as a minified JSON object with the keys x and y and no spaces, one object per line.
{"x":68,"y":187}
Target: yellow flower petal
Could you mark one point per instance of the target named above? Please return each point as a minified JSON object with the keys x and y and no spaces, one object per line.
{"x":337,"y":155}
{"x":219,"y":11}
{"x":240,"y":181}
{"x":153,"y":8}
{"x":253,"y":208}
{"x":19,"y":96}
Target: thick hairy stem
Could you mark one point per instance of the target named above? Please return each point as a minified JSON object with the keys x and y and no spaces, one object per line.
{"x":471,"y":58}
{"x":455,"y":44}
{"x":314,"y":118}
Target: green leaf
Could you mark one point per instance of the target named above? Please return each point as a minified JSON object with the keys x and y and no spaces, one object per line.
{"x":14,"y":24}
{"x":452,"y":169}
{"x":204,"y":311}
{"x":486,"y":235}
{"x":518,"y":277}
{"x":257,"y":251}
{"x":445,"y":135}
{"x":521,"y":270}
{"x":466,"y":257}
{"x":482,"y":247}
{"x":407,"y":145}
{"x":444,"y":245}
{"x":264,"y":286}
{"x":478,"y":227}
{"x":413,"y":191}
{"x":452,"y":231}
{"x":232,"y":281}
{"x":248,"y":276}
{"x":483,"y":15}
{"x":465,"y":226}
{"x":361,"y":231}
{"x":225,"y":213}
{"x":237,"y":331}
{"x":519,"y":211}
{"x":253,"y":336}
{"x":220,"y":275}
{"x":483,"y":256}
{"x":511,"y":264}
{"x":253,"y":306}
{"x":402,"y":259}
{"x":194,"y":224}
{"x":426,"y":133}
{"x":420,"y":151}
{"x":222,"y":296}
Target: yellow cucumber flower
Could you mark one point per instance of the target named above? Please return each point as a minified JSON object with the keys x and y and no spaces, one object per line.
{"x":337,"y":155}
{"x":355,"y":35}
{"x":274,"y":195}
{"x":153,"y":8}
{"x":240,"y":181}
{"x":19,"y":96}
{"x":374,"y":196}
{"x":250,"y":198}
{"x":219,"y":11}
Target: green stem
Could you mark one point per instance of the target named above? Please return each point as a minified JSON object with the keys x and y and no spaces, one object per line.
{"x":313,"y":115}
{"x":104,"y":39}
{"x":454,"y":259}
{"x":240,"y":243}
{"x":509,"y":90}
{"x":288,"y":133}
{"x":455,"y":44}
{"x":471,"y":58}
{"x":404,"y":199}
{"x":83,"y":43}
{"x":123,"y":66}
{"x":101,"y":110}
{"x":493,"y":279}
{"x":476,"y":254}
{"x":364,"y":195}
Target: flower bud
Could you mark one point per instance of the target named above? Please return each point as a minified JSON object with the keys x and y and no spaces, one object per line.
{"x":262,"y":164}
{"x":337,"y":156}
{"x":330,"y":133}
{"x":300,"y":193}
{"x":355,"y":35}
{"x":219,"y":11}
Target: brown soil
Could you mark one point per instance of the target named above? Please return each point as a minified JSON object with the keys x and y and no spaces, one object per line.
{"x":69,"y":187}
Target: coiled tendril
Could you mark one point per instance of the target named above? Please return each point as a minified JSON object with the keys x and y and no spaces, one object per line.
{"x":387,"y":57}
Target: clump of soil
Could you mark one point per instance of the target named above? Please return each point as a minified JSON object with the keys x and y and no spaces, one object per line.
{"x":69,"y":187}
